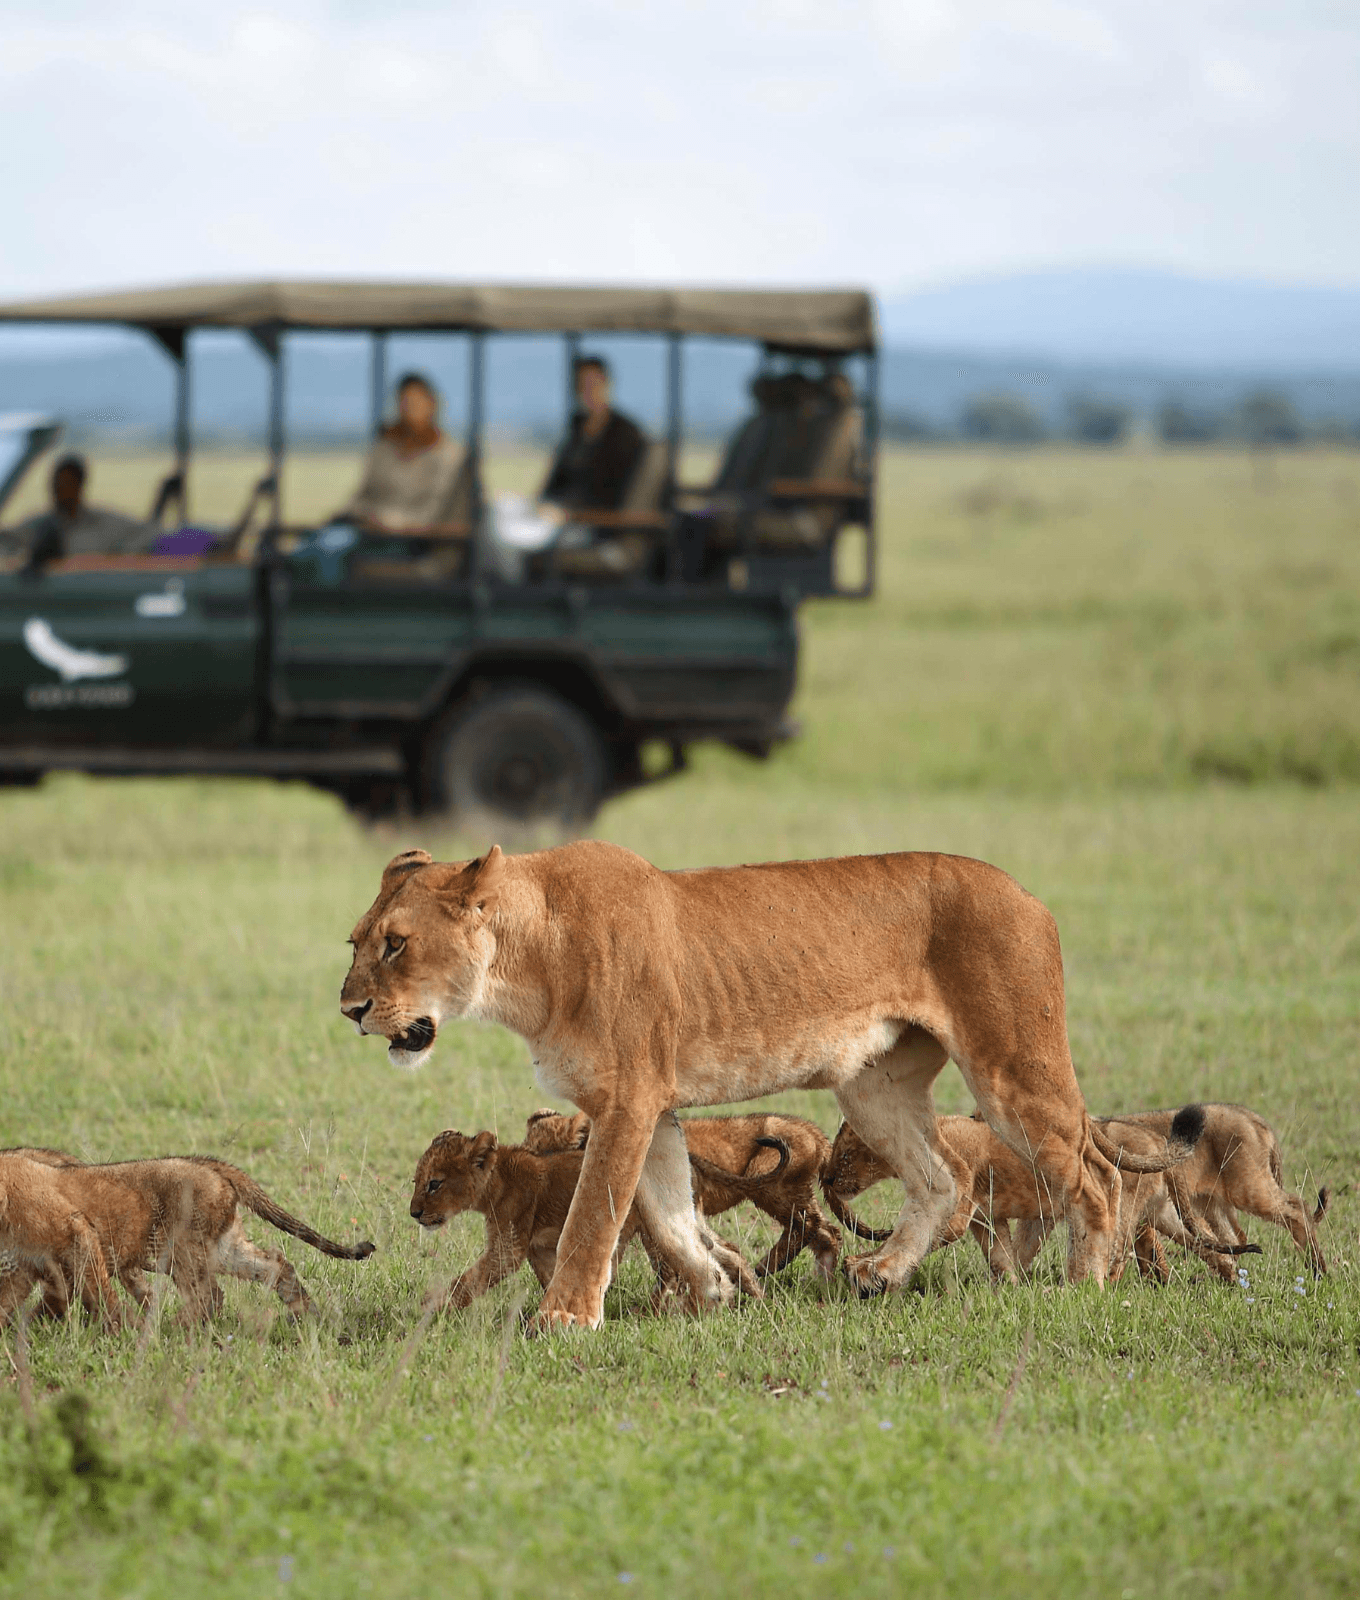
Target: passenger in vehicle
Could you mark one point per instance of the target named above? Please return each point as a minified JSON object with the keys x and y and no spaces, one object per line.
{"x":72,"y":528}
{"x":412,"y":468}
{"x":602,"y":449}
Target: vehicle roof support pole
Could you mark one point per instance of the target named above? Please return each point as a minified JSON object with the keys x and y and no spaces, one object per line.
{"x":675,"y":405}
{"x":573,"y":348}
{"x":269,"y":342}
{"x":871,"y":427}
{"x":182,"y":432}
{"x":378,"y":382}
{"x":175,"y":342}
{"x":476,"y":398}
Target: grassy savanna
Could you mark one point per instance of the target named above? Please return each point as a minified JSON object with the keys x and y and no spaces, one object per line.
{"x":1131,"y":680}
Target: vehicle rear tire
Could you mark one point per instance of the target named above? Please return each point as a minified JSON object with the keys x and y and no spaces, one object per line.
{"x":518,"y":752}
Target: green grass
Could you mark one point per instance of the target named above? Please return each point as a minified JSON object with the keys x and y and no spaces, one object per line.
{"x":1061,"y":643}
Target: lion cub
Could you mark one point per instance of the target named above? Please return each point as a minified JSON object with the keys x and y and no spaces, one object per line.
{"x":44,"y":1238}
{"x":182,"y":1215}
{"x":525,"y":1197}
{"x":1238,"y":1166}
{"x":724,"y":1152}
{"x":998,"y":1187}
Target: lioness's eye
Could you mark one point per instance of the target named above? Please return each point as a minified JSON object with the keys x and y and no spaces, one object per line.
{"x":433,"y":1184}
{"x":394,"y":946}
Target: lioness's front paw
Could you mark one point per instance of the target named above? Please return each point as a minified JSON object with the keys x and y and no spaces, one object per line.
{"x":865,"y":1276}
{"x":567,"y":1311}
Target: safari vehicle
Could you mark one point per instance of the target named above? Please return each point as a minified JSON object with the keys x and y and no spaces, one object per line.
{"x":419,"y":667}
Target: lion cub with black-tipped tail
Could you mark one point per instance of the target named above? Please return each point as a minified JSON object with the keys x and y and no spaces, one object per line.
{"x":525,"y":1197}
{"x":182,"y":1215}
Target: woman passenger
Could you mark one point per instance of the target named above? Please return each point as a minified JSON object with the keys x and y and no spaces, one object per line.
{"x":411,"y":469}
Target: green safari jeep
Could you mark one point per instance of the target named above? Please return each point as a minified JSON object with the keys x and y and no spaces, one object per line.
{"x":421,"y":668}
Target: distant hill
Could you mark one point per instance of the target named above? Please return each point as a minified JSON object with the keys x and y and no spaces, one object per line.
{"x":1135,"y":340}
{"x":1116,"y":317}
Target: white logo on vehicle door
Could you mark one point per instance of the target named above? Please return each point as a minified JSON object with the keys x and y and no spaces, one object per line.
{"x":68,"y":661}
{"x":72,"y":665}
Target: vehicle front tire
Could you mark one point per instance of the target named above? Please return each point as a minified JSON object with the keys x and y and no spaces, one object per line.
{"x":518,"y":752}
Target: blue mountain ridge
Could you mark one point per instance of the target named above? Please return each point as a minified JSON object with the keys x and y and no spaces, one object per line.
{"x":1139,"y":339}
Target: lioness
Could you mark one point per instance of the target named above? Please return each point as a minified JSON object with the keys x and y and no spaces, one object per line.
{"x":1002,"y":1188}
{"x":639,"y":991}
{"x":181,"y":1215}
{"x":525,"y":1196}
{"x":729,"y":1145}
{"x":45,"y":1238}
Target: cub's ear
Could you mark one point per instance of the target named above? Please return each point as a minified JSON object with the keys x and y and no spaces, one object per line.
{"x":482,"y":1146}
{"x":399,"y":866}
{"x":538,"y":1116}
{"x":478,"y":886}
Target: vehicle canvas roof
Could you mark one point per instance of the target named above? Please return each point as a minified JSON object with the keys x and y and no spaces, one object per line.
{"x":829,"y":321}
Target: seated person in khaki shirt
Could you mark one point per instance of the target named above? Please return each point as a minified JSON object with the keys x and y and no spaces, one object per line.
{"x":411,"y":468}
{"x":72,"y":528}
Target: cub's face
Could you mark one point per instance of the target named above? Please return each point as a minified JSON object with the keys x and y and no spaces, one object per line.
{"x":852,"y":1167}
{"x":450,"y":1176}
{"x":422,"y":951}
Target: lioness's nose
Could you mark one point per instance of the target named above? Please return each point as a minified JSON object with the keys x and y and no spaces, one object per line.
{"x":357,"y":1013}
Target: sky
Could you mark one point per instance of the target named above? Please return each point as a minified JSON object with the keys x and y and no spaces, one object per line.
{"x":894,"y":143}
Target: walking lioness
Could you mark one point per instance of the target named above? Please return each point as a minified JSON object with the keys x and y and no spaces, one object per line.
{"x":640,"y":990}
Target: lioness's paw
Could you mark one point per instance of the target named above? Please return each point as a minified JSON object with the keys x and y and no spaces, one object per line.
{"x":865,"y":1277}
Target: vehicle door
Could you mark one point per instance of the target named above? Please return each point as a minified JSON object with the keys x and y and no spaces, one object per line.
{"x":128,"y":650}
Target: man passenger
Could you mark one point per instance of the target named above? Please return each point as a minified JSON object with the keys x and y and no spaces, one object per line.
{"x":597,"y":459}
{"x":72,"y":528}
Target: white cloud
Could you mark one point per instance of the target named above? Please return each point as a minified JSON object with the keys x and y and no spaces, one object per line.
{"x":780,"y":141}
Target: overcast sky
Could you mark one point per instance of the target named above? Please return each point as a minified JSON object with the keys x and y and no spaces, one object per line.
{"x":894,"y":144}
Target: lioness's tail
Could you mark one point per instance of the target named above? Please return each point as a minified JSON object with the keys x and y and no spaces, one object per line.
{"x":1324,"y":1204}
{"x":848,"y":1219}
{"x":252,"y":1195}
{"x":740,"y":1180}
{"x":1186,"y":1128}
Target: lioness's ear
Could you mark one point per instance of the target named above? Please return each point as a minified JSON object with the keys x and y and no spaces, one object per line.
{"x":398,"y":867}
{"x":480,"y":884}
{"x":482,"y":1146}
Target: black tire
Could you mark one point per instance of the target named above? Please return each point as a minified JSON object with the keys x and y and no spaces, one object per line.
{"x":519,"y":752}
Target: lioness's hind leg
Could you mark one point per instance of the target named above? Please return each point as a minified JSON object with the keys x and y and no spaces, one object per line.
{"x":890,"y":1104}
{"x":678,"y":1234}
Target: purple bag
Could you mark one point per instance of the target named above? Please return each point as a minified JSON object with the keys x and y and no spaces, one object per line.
{"x":184,"y":542}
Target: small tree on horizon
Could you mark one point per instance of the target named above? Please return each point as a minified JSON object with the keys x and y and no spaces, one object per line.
{"x":1002,"y":419}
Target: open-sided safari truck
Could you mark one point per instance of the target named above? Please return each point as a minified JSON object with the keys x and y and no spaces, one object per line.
{"x":425,"y":663}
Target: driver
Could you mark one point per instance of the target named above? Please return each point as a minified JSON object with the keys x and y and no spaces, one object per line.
{"x":597,"y":459}
{"x":72,"y":528}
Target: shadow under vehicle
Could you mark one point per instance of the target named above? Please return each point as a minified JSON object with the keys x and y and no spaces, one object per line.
{"x":425,"y":668}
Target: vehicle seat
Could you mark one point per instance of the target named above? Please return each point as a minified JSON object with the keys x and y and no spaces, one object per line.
{"x":815,"y":474}
{"x":619,"y":552}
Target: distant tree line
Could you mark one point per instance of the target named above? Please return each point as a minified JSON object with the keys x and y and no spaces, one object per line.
{"x":1261,"y":419}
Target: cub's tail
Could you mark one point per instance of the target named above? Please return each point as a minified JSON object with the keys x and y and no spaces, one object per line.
{"x":1324,"y":1204}
{"x":250,"y":1194}
{"x":1186,"y":1128}
{"x":847,"y":1218}
{"x":740,"y":1180}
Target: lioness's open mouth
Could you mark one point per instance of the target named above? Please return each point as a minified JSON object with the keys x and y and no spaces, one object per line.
{"x":417,"y":1038}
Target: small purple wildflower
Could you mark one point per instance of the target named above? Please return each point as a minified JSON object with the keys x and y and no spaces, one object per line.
{"x":625,"y":1577}
{"x":820,"y":1558}
{"x":884,"y":1426}
{"x":796,"y":1540}
{"x":285,"y":1569}
{"x":889,"y":1551}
